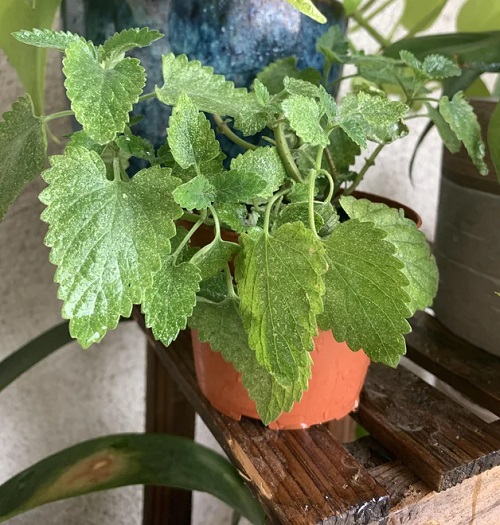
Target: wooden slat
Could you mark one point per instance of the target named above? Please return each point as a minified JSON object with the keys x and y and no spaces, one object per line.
{"x":435,"y":437}
{"x":302,"y":477}
{"x":472,"y":371}
{"x":169,"y":412}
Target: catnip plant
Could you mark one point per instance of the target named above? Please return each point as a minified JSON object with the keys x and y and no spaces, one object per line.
{"x":308,"y":254}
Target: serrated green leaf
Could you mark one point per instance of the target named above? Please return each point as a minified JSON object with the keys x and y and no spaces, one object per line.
{"x":350,"y":6}
{"x":433,"y":67}
{"x":129,"y":39}
{"x":343,"y":150}
{"x":214,"y":289}
{"x":333,"y":45}
{"x":136,"y":146}
{"x":101,"y":98}
{"x":221,"y":325}
{"x":363,"y":116}
{"x":448,"y":136}
{"x":420,"y":15}
{"x":299,"y":192}
{"x":387,"y":71}
{"x":106,"y":236}
{"x":237,"y":186}
{"x":80,"y":139}
{"x":273,"y":75}
{"x":261,"y":92}
{"x":190,"y":137}
{"x":47,"y":38}
{"x":329,"y":106}
{"x":196,"y":194}
{"x":296,"y":86}
{"x":460,"y":116}
{"x":412,"y":248}
{"x":304,"y":116}
{"x":169,"y":301}
{"x":309,"y":9}
{"x":280,"y":284}
{"x":209,"y":169}
{"x":210,"y":93}
{"x":479,"y":15}
{"x":23,"y":148}
{"x":365,"y":298}
{"x":299,"y":211}
{"x":232,"y":215}
{"x":29,"y":62}
{"x":264,"y":161}
{"x":213,"y":257}
{"x":494,"y":139}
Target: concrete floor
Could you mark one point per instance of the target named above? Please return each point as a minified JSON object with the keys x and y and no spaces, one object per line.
{"x":75,"y":394}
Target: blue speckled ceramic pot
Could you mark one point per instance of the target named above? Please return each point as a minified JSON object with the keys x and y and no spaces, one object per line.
{"x":236,"y":37}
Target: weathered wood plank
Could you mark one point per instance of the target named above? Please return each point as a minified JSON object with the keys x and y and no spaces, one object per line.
{"x":435,"y":437}
{"x":302,"y":477}
{"x":472,"y":371}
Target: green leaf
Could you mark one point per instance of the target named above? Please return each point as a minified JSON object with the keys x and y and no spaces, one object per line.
{"x":127,"y":459}
{"x":221,"y":325}
{"x":365,"y":298}
{"x":494,"y":139}
{"x":196,"y":194}
{"x":191,"y":139}
{"x":209,"y":169}
{"x":448,"y":136}
{"x":363,"y":116}
{"x":308,"y":8}
{"x":213,"y":257}
{"x":23,"y":147}
{"x":298,"y":211}
{"x":210,"y":93}
{"x":343,"y":150}
{"x":107,"y":237}
{"x":273,"y":75}
{"x":350,"y":6}
{"x":433,"y":67}
{"x":458,"y":113}
{"x":232,"y":215}
{"x":214,"y":289}
{"x":101,"y":98}
{"x":169,"y":301}
{"x":29,"y":62}
{"x":329,"y":106}
{"x":421,"y":14}
{"x":412,"y":248}
{"x":280,"y":283}
{"x":296,"y":86}
{"x":129,"y":39}
{"x":261,"y":92}
{"x":479,"y":15}
{"x":136,"y":146}
{"x":383,"y":70}
{"x":304,"y":116}
{"x":333,"y":45}
{"x":47,"y":38}
{"x":264,"y":161}
{"x":80,"y":139}
{"x":237,"y":186}
{"x":478,"y":89}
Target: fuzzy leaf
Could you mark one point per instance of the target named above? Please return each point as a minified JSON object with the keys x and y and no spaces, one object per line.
{"x":433,"y":67}
{"x":448,"y":136}
{"x":23,"y":147}
{"x":494,"y":139}
{"x":304,"y":114}
{"x":298,"y":211}
{"x":363,"y":116}
{"x":459,"y":114}
{"x":221,"y":325}
{"x":136,"y":146}
{"x":101,"y":98}
{"x":169,"y":301}
{"x":261,"y":92}
{"x":266,"y":163}
{"x":213,"y":257}
{"x":208,"y":169}
{"x":80,"y":139}
{"x":365,"y":298}
{"x":308,"y":8}
{"x":129,"y":39}
{"x":300,"y":87}
{"x":106,"y":236}
{"x":47,"y":38}
{"x":190,"y":137}
{"x":329,"y":106}
{"x":233,"y":216}
{"x":273,"y":75}
{"x":280,"y":283}
{"x":333,"y":45}
{"x":196,"y":194}
{"x":210,"y":93}
{"x":412,"y":248}
{"x":237,"y":186}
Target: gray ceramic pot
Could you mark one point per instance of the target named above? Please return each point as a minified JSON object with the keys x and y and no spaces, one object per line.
{"x":467,"y":246}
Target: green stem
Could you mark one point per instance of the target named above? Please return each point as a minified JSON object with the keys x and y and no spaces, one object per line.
{"x":425,"y":99}
{"x":332,"y":167}
{"x":367,"y":6}
{"x":216,"y":220}
{"x":312,"y":191}
{"x":319,"y":158}
{"x":331,"y":191}
{"x":377,"y":11}
{"x":370,"y":161}
{"x":190,"y":233}
{"x":147,"y":96}
{"x":59,"y":114}
{"x":370,"y":30}
{"x":229,"y":282}
{"x":116,"y":169}
{"x":338,"y":80}
{"x":194,"y":217}
{"x":269,"y":207}
{"x":231,"y":135}
{"x":285,"y":153}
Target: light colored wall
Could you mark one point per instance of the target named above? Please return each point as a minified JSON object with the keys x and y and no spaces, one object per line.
{"x":77,"y":394}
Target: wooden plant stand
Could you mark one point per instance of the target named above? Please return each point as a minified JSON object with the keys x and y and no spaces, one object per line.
{"x":428,"y":461}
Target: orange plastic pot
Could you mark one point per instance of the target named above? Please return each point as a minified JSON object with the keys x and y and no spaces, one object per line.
{"x":337,"y":377}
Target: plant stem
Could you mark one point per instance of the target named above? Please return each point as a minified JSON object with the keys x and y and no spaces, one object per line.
{"x":331,"y":190}
{"x":426,"y":99}
{"x":367,"y":6}
{"x":370,"y":30}
{"x":59,"y":114}
{"x":229,"y":282}
{"x":116,"y":169}
{"x":216,"y":220}
{"x":312,"y":190}
{"x":147,"y":96}
{"x":285,"y":153}
{"x":375,"y":12}
{"x":190,"y":233}
{"x":370,"y":161}
{"x":332,"y":167}
{"x":194,"y":217}
{"x":269,"y":207}
{"x":231,"y":135}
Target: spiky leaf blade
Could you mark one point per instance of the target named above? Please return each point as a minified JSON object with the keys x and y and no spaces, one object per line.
{"x":23,"y":147}
{"x":46,"y":38}
{"x":129,"y":39}
{"x":365,"y":298}
{"x":101,"y":98}
{"x":106,"y":237}
{"x":304,"y":114}
{"x":196,"y":194}
{"x":280,"y":283}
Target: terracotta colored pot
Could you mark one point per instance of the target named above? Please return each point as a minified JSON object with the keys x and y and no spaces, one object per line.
{"x":337,"y":378}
